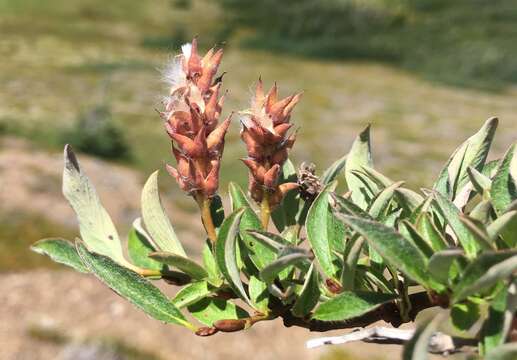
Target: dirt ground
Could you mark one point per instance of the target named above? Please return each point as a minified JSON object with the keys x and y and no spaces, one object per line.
{"x":79,"y":307}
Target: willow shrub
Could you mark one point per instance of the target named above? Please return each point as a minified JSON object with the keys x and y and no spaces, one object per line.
{"x":328,"y":260}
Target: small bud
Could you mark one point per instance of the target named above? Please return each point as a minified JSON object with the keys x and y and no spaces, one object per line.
{"x":230,"y":325}
{"x":206,"y":331}
{"x":271,"y":176}
{"x":333,"y":286}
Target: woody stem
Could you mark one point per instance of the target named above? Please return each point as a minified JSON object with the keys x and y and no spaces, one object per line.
{"x":265,"y":210}
{"x":206,"y":216}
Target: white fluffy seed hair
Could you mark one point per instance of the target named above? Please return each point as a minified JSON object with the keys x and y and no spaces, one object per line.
{"x":173,"y":74}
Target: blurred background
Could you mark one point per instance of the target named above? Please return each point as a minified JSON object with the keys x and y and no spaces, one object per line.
{"x":424,"y":73}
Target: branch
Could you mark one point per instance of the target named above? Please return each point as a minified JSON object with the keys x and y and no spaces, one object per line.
{"x":388,"y":312}
{"x":439,"y":343}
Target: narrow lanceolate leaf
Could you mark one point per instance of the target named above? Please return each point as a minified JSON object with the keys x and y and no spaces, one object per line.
{"x":480,"y":182}
{"x":214,"y":275}
{"x":269,"y":273}
{"x":284,"y":215}
{"x":395,"y":249}
{"x":156,"y":221}
{"x":210,"y":310}
{"x":333,"y":170}
{"x":139,"y":247}
{"x":191,"y":294}
{"x":95,"y":225}
{"x":61,"y":251}
{"x":260,"y":254}
{"x":504,"y":183}
{"x":350,"y":258}
{"x":484,"y":271}
{"x":259,"y":295}
{"x":441,"y":262}
{"x":348,"y":305}
{"x":309,"y":295}
{"x":473,"y":152}
{"x":500,"y":316}
{"x":132,"y":287}
{"x":430,"y":232}
{"x":226,"y":252}
{"x":408,"y":199}
{"x":504,"y":225}
{"x":320,"y":234}
{"x":417,"y":347}
{"x":381,"y":202}
{"x":359,"y":156}
{"x":500,"y":271}
{"x":452,"y":215}
{"x":188,"y":266}
{"x":273,"y":241}
{"x":382,"y":181}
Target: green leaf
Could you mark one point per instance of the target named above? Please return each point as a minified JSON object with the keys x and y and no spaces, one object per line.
{"x":500,"y":316}
{"x":452,"y":216}
{"x":416,"y":347}
{"x":480,"y":182}
{"x":226,"y":252}
{"x":309,"y":295}
{"x":381,"y":202}
{"x":214,"y":275}
{"x":503,"y":352}
{"x":269,"y":273}
{"x":464,"y":316}
{"x":426,"y":227}
{"x":320,"y":235}
{"x":331,"y":173}
{"x":156,"y":221}
{"x":260,"y":254}
{"x":132,"y":287}
{"x":408,"y":199}
{"x":95,"y":225}
{"x":139,"y":247}
{"x":351,"y":256}
{"x":485,"y":271}
{"x":191,"y":294}
{"x":188,"y":266}
{"x":410,"y":233}
{"x":284,"y":215}
{"x":478,"y":229}
{"x":274,"y":241}
{"x":395,"y":249}
{"x":501,"y":225}
{"x":210,"y":310}
{"x":217,"y":211}
{"x":473,"y":152}
{"x":504,"y":188}
{"x":61,"y":251}
{"x":379,"y":179}
{"x":348,"y":305}
{"x":259,"y":295}
{"x":359,"y":156}
{"x":441,"y":262}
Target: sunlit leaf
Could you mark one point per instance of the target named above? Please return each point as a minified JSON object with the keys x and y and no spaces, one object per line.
{"x":284,"y":215}
{"x":156,"y":221}
{"x":283,"y":261}
{"x":132,"y":287}
{"x":485,"y":271}
{"x":61,"y":251}
{"x":188,"y":266}
{"x":331,"y":173}
{"x":226,"y":252}
{"x":95,"y":225}
{"x":259,"y":295}
{"x":348,"y":305}
{"x":359,"y":156}
{"x":440,"y":263}
{"x":191,"y":294}
{"x":210,"y":310}
{"x":139,"y":247}
{"x":309,"y":295}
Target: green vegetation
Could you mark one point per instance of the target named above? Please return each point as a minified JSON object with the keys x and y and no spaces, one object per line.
{"x":463,"y":42}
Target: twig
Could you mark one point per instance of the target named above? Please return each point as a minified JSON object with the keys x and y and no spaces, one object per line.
{"x":439,"y":343}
